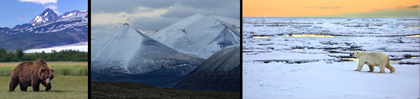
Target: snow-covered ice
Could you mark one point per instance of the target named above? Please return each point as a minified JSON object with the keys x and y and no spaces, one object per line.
{"x":328,"y":81}
{"x":308,"y":58}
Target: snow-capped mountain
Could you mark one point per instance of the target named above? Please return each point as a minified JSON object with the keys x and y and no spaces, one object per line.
{"x":231,"y":22}
{"x":127,"y":52}
{"x":47,"y":16}
{"x":219,"y":72}
{"x":198,"y":35}
{"x":47,"y":30}
{"x":48,"y":21}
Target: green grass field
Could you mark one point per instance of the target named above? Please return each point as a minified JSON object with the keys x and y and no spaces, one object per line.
{"x":63,"y":87}
{"x":60,"y":68}
{"x":70,"y":82}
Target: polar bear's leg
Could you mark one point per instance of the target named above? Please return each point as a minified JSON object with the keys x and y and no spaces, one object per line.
{"x":359,"y":66}
{"x":392,"y":69}
{"x":382,"y":68}
{"x":371,"y":68}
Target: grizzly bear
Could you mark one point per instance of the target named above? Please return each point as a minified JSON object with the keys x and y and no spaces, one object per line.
{"x":31,"y":74}
{"x":373,"y":59}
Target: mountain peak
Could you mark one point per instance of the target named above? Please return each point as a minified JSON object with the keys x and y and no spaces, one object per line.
{"x":125,"y":23}
{"x":133,"y":52}
{"x":48,"y":11}
{"x":199,"y":35}
{"x":47,"y":15}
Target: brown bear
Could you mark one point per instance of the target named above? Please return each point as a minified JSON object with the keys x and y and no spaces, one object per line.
{"x":31,"y":74}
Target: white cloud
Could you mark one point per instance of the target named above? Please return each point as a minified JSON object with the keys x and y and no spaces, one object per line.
{"x":53,"y":7}
{"x":121,"y":17}
{"x":43,"y":2}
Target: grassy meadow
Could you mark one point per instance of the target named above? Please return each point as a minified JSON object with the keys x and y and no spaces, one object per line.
{"x":70,"y":81}
{"x":60,"y":68}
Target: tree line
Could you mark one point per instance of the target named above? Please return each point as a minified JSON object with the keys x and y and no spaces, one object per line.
{"x":64,"y":55}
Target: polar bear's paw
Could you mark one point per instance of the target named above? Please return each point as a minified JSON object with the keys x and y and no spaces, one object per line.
{"x":356,"y":70}
{"x":381,"y":71}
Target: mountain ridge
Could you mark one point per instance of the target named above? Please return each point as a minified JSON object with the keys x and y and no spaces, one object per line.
{"x":129,"y":55}
{"x":198,"y":35}
{"x":72,"y":25}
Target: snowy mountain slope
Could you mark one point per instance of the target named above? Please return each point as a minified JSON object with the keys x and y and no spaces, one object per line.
{"x":231,"y":22}
{"x":47,"y":16}
{"x":129,"y":51}
{"x":48,"y":21}
{"x":220,"y":72}
{"x":223,"y":61}
{"x":130,"y":56}
{"x":74,"y":21}
{"x":198,"y":35}
{"x":42,"y":40}
{"x":47,"y":30}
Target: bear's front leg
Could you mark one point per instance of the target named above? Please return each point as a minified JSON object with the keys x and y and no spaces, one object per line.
{"x":47,"y":85}
{"x":13,"y":84}
{"x":371,"y":68}
{"x":359,"y":66}
{"x":35,"y":85}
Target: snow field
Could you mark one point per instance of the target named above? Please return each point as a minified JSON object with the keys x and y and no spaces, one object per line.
{"x":327,"y":81}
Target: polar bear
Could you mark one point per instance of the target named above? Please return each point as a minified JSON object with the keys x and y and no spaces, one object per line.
{"x":373,"y":59}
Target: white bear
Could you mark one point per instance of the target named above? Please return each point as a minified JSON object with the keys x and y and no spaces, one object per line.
{"x":373,"y":59}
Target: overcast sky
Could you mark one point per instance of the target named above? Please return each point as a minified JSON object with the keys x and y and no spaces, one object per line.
{"x":16,"y":12}
{"x":152,"y":15}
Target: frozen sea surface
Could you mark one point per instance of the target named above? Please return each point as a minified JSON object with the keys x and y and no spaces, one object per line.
{"x":308,"y":58}
{"x":332,"y":26}
{"x":328,"y":81}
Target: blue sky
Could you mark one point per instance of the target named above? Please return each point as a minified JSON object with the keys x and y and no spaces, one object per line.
{"x":15,"y":12}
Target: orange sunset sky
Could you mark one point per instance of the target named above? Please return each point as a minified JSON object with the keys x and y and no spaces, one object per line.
{"x":330,"y":8}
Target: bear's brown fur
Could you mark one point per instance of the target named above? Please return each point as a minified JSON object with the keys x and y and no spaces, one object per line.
{"x":31,"y":74}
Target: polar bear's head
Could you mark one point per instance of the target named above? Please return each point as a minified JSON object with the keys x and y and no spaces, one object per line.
{"x":355,"y":54}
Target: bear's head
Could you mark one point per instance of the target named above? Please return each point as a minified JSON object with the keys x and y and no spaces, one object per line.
{"x":45,"y":73}
{"x":355,"y":54}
